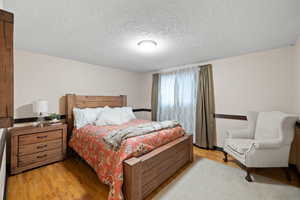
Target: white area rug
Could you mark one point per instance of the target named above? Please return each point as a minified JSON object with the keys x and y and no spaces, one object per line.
{"x":211,"y":180}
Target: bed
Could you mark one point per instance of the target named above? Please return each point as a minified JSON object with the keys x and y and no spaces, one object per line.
{"x":141,"y":174}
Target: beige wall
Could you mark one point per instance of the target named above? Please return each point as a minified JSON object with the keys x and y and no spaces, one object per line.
{"x":1,"y":4}
{"x":146,"y":88}
{"x":44,"y":77}
{"x":296,"y":76}
{"x":259,"y":81}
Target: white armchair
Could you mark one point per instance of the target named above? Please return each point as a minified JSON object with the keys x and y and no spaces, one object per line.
{"x":265,"y":143}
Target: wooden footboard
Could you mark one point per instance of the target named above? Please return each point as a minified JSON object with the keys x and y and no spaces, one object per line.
{"x":144,"y":174}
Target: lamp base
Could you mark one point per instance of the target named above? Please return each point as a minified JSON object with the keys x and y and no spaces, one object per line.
{"x":41,"y":125}
{"x":40,"y":120}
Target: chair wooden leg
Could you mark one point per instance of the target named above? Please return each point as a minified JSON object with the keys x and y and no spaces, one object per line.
{"x":225,"y":159}
{"x":248,"y":176}
{"x":287,"y":173}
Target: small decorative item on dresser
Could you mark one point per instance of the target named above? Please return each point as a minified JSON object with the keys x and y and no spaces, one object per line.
{"x":36,"y":146}
{"x":55,"y":119}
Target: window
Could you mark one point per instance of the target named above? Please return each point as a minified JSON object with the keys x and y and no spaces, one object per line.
{"x":178,"y":96}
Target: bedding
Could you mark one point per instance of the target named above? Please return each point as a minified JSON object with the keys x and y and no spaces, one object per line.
{"x":108,"y":164}
{"x":114,"y":138}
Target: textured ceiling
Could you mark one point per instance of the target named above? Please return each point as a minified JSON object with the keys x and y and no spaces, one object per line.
{"x":105,"y":32}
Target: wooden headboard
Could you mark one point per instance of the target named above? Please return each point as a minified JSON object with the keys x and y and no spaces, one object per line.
{"x":78,"y":101}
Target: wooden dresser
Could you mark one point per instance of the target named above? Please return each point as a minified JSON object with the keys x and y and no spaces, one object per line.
{"x":36,"y":146}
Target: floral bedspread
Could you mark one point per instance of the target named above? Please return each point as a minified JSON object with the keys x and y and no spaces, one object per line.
{"x":88,"y":143}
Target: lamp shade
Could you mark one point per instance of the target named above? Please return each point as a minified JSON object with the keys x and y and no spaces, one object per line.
{"x":41,"y":106}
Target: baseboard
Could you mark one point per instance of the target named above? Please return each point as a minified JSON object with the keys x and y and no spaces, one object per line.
{"x":218,"y":148}
{"x":214,"y":148}
{"x":292,"y":166}
{"x":196,"y":145}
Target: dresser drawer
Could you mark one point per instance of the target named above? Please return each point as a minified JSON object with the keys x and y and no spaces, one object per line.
{"x":38,"y":157}
{"x":38,"y":147}
{"x":40,"y":137}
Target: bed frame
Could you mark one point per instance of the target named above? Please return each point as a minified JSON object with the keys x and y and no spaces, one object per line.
{"x":143,"y":174}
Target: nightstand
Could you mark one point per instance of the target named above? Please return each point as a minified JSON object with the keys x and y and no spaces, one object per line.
{"x":36,"y":146}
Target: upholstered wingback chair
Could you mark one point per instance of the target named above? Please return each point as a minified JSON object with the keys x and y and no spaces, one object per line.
{"x":265,"y":143}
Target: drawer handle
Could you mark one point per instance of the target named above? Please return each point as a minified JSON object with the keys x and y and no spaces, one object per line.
{"x":41,"y":137}
{"x":43,"y":146}
{"x":43,"y":156}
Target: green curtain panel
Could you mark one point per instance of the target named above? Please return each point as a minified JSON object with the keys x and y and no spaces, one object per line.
{"x":154,"y":96}
{"x":205,"y":122}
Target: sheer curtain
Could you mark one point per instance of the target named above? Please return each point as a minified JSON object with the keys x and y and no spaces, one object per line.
{"x":177,"y":97}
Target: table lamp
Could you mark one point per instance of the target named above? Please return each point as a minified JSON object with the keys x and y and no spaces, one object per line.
{"x":41,"y":108}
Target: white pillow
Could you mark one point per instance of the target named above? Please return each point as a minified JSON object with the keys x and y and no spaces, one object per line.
{"x":85,"y":116}
{"x":114,"y":116}
{"x":127,"y":113}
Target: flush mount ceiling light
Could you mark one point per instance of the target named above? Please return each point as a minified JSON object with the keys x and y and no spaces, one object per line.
{"x":147,"y":45}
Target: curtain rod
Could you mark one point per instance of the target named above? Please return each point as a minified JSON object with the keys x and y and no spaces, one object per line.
{"x":182,"y":68}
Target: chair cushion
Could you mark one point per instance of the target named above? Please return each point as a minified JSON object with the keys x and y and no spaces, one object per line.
{"x":239,"y":146}
{"x":267,"y":125}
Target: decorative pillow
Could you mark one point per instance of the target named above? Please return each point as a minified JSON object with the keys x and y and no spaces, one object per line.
{"x":114,"y":116}
{"x":85,"y":116}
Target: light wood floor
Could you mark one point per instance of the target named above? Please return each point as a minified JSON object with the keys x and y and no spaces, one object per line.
{"x":74,"y":180}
